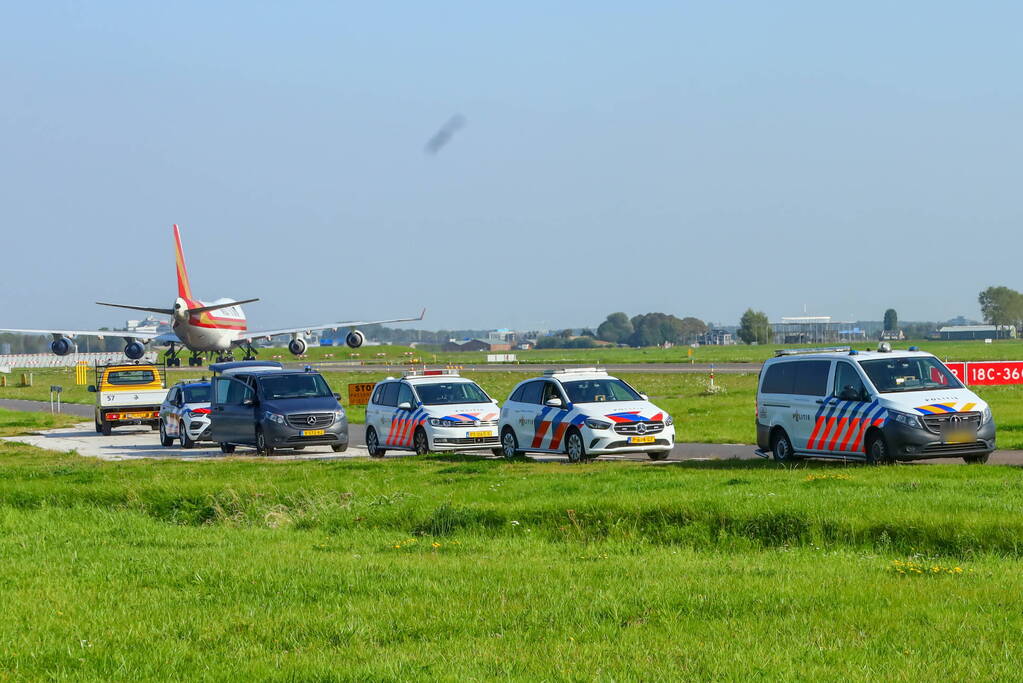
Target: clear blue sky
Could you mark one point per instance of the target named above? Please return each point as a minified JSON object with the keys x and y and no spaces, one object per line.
{"x":692,"y":158}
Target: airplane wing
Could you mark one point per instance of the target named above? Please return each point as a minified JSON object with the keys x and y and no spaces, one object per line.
{"x":249,"y":335}
{"x":98,"y":333}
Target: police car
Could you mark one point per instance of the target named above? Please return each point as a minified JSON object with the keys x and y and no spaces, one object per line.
{"x":878,"y":406}
{"x":430,"y":410}
{"x":583,"y":413}
{"x":185,"y":414}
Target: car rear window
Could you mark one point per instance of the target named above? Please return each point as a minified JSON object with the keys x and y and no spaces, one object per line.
{"x":119,"y":377}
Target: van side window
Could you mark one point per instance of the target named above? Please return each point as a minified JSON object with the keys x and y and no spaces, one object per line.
{"x":390,"y":394}
{"x":405,"y":395}
{"x":378,"y":394}
{"x":846,"y":376}
{"x":811,"y":377}
{"x":220,"y":388}
{"x":778,"y":379}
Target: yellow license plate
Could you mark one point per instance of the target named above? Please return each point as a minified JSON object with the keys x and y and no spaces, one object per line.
{"x":312,"y":432}
{"x":641,"y":439}
{"x":480,"y":435}
{"x":136,"y":416}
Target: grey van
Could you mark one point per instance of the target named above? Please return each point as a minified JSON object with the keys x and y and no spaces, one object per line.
{"x":272,"y":408}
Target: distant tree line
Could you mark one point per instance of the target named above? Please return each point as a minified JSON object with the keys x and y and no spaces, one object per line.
{"x":650,"y":329}
{"x":1001,"y":306}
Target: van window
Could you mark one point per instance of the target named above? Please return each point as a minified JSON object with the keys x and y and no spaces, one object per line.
{"x":811,"y":377}
{"x":778,"y":379}
{"x":846,"y":376}
{"x":378,"y":394}
{"x":405,"y":395}
{"x":390,"y":394}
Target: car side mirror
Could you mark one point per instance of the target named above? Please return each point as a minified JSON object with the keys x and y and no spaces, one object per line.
{"x":91,"y":389}
{"x":404,"y":405}
{"x":850,"y":393}
{"x":249,"y":402}
{"x":337,"y":396}
{"x":553,"y":402}
{"x":644,"y":397}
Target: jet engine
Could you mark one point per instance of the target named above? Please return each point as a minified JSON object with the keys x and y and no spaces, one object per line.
{"x":62,"y":346}
{"x":355,"y":339}
{"x":297,"y":346}
{"x":134,"y":350}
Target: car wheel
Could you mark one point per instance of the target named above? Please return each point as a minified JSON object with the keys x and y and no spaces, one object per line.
{"x":781,"y":447}
{"x":373,"y":444}
{"x":186,"y":441}
{"x":420,"y":442}
{"x":877,"y":450}
{"x":104,"y":428}
{"x":574,"y":448}
{"x":262,"y":447}
{"x":976,"y":459}
{"x":658,"y":455}
{"x":98,"y":428}
{"x":509,"y":444}
{"x":165,"y":440}
{"x":227,"y":448}
{"x":338,"y":448}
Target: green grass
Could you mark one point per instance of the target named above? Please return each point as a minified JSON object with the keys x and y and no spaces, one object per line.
{"x":460,"y":568}
{"x":18,"y":422}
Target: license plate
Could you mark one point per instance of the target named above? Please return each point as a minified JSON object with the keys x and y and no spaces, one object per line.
{"x":137,"y":416}
{"x":480,"y":435}
{"x":312,"y":432}
{"x":641,"y":439}
{"x":956,"y":434}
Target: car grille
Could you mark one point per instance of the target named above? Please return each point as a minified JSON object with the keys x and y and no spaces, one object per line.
{"x":318,"y":421}
{"x":635,"y":429}
{"x":934,"y":422}
{"x":482,"y":440}
{"x":955,"y":448}
{"x":626,"y":444}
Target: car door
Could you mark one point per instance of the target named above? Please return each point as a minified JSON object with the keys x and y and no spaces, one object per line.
{"x":525,"y":413}
{"x":551,"y":427}
{"x":810,"y":390}
{"x":233,"y":418}
{"x":848,"y":413}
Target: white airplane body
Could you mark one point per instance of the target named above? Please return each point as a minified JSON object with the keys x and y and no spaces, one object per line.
{"x":202,"y":327}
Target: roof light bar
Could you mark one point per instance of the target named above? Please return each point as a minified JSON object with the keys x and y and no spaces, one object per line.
{"x":824,"y":349}
{"x":430,"y":373}
{"x":569,"y":371}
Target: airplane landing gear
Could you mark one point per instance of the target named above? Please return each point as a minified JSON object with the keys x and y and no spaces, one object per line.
{"x":195,"y":360}
{"x":172,"y":357}
{"x":250,"y":353}
{"x":225,"y":357}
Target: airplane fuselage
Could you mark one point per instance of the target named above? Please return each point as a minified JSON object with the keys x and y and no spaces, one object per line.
{"x":208,"y":331}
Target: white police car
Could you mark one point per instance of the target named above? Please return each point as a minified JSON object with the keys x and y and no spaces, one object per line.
{"x":431,"y":410}
{"x":185,"y":414}
{"x":877,"y":406}
{"x":583,"y":413}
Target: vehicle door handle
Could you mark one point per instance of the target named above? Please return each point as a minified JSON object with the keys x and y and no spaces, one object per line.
{"x":820,"y":400}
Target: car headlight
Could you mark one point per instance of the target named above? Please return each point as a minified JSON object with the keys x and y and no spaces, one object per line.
{"x":906,"y":419}
{"x":274,"y":417}
{"x":438,"y":422}
{"x":593,"y":423}
{"x":668,"y":421}
{"x":985,"y":415}
{"x":339,"y":414}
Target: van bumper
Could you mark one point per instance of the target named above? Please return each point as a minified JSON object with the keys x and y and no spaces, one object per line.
{"x":908,"y":443}
{"x":286,"y":436}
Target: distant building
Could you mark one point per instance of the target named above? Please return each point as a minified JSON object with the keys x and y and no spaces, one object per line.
{"x":716,"y":337}
{"x":475,"y":345}
{"x":954,"y":332}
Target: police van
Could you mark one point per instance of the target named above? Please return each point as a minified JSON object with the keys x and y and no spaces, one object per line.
{"x":583,"y":413}
{"x":430,"y":410}
{"x":878,"y":406}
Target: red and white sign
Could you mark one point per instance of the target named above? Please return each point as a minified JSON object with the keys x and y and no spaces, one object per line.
{"x":994,"y":373}
{"x":959,"y":370}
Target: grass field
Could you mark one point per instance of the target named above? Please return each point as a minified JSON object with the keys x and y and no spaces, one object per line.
{"x":725,"y":416}
{"x":460,"y":568}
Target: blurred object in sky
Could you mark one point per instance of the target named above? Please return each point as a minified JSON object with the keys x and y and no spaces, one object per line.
{"x":443,"y":136}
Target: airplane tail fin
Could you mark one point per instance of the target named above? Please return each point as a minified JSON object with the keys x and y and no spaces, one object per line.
{"x":184,"y":289}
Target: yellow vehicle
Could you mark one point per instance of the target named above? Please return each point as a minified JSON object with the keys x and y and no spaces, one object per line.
{"x":128,"y":394}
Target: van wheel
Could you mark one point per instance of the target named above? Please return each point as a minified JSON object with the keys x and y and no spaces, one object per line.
{"x":227,"y":448}
{"x":104,"y":428}
{"x":976,"y":459}
{"x":98,"y":428}
{"x":509,"y":444}
{"x":373,"y":444}
{"x":574,"y":448}
{"x":262,"y":447}
{"x":877,"y":450}
{"x":420,"y":442}
{"x":165,"y":440}
{"x":781,"y":447}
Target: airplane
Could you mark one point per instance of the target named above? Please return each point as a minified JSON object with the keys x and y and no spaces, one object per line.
{"x":216,"y":327}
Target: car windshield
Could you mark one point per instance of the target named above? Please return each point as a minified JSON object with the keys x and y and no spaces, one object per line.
{"x":919,"y":373}
{"x":446,"y":393}
{"x":305,"y":385}
{"x":200,"y":393}
{"x":600,"y":391}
